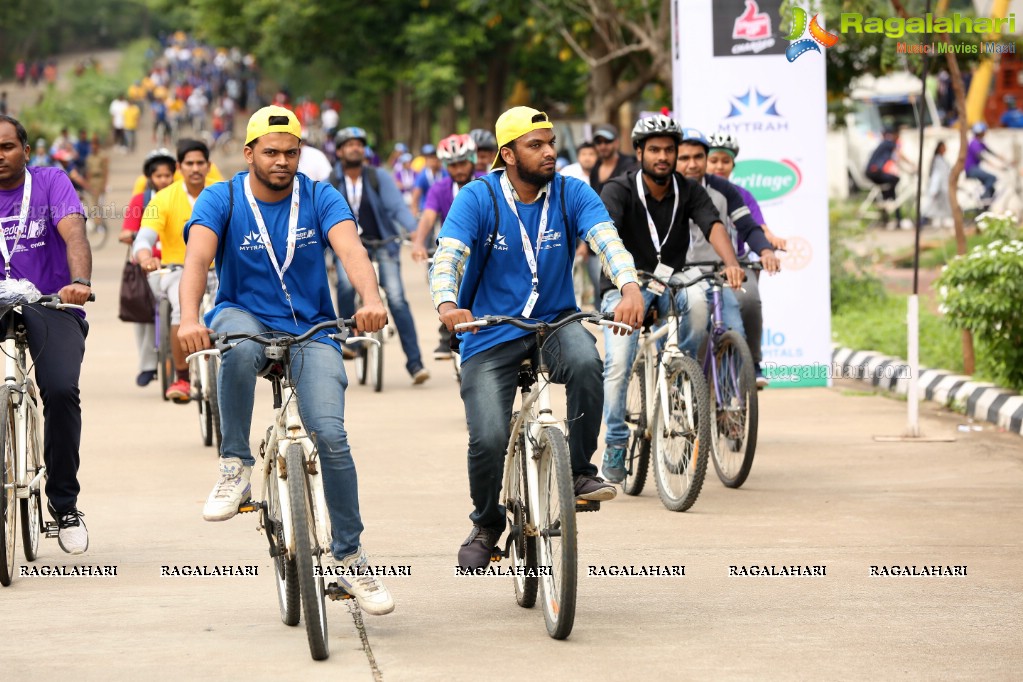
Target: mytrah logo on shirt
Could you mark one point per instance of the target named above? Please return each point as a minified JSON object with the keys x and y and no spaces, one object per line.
{"x":818,"y":36}
{"x":501,"y":244}
{"x":251,"y":242}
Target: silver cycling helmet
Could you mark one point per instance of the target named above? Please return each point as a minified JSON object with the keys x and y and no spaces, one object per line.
{"x":726,"y":141}
{"x":162,"y":155}
{"x":484,"y":139}
{"x":350,"y":133}
{"x":657,"y":125}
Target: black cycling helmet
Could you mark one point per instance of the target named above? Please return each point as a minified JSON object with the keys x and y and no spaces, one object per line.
{"x":657,"y":125}
{"x":156,"y":157}
{"x":484,"y":139}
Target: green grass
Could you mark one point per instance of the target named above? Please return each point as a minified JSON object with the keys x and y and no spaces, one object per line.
{"x":937,"y":254}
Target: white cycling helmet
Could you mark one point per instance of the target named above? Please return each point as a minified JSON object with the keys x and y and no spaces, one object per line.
{"x":658,"y":125}
{"x":724,"y":141}
{"x":455,"y":148}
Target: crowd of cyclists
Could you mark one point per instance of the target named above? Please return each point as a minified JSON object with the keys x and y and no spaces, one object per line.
{"x":502,"y":227}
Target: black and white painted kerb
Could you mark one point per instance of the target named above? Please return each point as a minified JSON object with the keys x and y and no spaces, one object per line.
{"x":980,"y":400}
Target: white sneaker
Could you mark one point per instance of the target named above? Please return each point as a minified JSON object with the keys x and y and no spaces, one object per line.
{"x":420,"y":376}
{"x":72,"y":536}
{"x":368,"y":590}
{"x":230,"y":491}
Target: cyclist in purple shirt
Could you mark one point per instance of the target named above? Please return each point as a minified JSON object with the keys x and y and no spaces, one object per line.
{"x":458,"y":154}
{"x":44,"y":242}
{"x":975,"y":152}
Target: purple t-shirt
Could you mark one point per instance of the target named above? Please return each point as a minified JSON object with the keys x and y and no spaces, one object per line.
{"x":41,"y":254}
{"x":440,"y":197}
{"x":973,"y":152}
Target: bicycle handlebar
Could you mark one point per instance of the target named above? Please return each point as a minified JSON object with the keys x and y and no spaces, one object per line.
{"x":603,"y":319}
{"x":223,"y":340}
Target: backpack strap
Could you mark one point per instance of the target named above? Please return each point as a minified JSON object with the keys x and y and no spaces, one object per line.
{"x":371,"y":176}
{"x":564,"y":213}
{"x":490,"y":243}
{"x":227,"y":224}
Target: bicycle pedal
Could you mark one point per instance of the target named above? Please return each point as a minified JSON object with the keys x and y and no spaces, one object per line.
{"x":587,"y":505}
{"x":496,"y":556}
{"x":250,"y":506}
{"x":335,"y":592}
{"x":51,"y":529}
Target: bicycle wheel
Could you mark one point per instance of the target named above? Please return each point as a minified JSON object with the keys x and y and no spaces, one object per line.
{"x":558,"y":553}
{"x":681,"y":438}
{"x":523,"y":547}
{"x":637,"y":453}
{"x":31,"y":506}
{"x":361,"y":360}
{"x":307,"y":554}
{"x":97,"y":233}
{"x":285,"y":567}
{"x":734,"y":427}
{"x":376,"y":356}
{"x":8,"y":454}
{"x":165,"y":359}
{"x":195,"y":371}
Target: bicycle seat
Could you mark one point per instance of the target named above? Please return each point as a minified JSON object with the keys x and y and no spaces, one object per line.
{"x":271,"y":370}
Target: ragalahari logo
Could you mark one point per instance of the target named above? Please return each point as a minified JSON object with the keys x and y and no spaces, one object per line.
{"x":803,"y":45}
{"x":752,"y":24}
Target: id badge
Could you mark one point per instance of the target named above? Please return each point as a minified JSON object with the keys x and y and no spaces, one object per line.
{"x":530,"y":302}
{"x":664,"y":271}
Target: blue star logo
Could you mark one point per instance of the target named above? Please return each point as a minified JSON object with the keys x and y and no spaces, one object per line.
{"x":752,"y":103}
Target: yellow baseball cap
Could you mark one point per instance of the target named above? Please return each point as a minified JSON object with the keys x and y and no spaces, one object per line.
{"x":268,"y":120}
{"x":515,"y":123}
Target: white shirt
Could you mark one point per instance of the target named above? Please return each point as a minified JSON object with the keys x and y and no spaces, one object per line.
{"x":314,"y":163}
{"x":117,"y":109}
{"x":574,"y":170}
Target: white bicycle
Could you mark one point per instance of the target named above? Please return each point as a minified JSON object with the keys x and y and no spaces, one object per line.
{"x":293,"y":511}
{"x":537,"y":488}
{"x":21,"y":448}
{"x":203,"y":373}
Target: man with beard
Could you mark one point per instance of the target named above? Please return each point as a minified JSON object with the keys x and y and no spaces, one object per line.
{"x":164,"y":222}
{"x":378,"y":207}
{"x":513,"y":235}
{"x":458,"y":154}
{"x":268,"y":229}
{"x":652,"y":208}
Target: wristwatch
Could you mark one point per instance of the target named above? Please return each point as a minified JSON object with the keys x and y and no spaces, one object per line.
{"x":82,"y":280}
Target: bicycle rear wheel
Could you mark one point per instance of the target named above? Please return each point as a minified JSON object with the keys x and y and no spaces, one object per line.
{"x":558,"y":552}
{"x":523,"y":547}
{"x":637,"y":453}
{"x":199,"y":389}
{"x":681,"y":438}
{"x":285,"y":567}
{"x":213,"y":391}
{"x":97,"y":233}
{"x":165,"y":358}
{"x":307,"y":554}
{"x":8,"y":454}
{"x":31,"y":506}
{"x":734,"y":427}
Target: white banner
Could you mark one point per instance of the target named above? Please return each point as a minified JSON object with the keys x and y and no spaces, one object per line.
{"x":731,"y":73}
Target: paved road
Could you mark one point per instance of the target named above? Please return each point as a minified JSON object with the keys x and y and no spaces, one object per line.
{"x":822,"y":493}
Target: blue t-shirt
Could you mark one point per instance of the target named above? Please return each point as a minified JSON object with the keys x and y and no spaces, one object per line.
{"x":507,"y":283}
{"x":248,"y":279}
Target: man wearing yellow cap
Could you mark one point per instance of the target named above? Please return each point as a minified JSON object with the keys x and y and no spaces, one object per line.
{"x":267,"y":229}
{"x":513,"y":234}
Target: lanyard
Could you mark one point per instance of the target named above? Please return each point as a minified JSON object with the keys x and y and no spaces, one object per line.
{"x":19,"y":229}
{"x":264,"y":236}
{"x":527,"y":245}
{"x":658,"y":242}
{"x":354,"y":191}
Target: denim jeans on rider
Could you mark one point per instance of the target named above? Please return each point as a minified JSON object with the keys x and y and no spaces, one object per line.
{"x":489,"y":384}
{"x":397,"y":306}
{"x":320,"y":382}
{"x":699,"y":310}
{"x":620,"y":353}
{"x":987,"y":179}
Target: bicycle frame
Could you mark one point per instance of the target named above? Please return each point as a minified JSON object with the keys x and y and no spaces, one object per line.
{"x":23,"y":394}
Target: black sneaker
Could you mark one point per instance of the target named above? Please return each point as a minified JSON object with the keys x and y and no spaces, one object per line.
{"x":475,"y":552}
{"x":442,"y":351}
{"x":72,"y":535}
{"x":594,"y":488}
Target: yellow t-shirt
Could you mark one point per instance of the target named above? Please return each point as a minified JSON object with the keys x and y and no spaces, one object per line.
{"x":214,"y":176}
{"x":131,"y":116}
{"x":171,"y":209}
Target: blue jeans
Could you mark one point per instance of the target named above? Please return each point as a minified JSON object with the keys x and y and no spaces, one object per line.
{"x":489,"y":384}
{"x":320,"y":382}
{"x":620,"y":353}
{"x":390,"y":279}
{"x":986,"y":179}
{"x":700,"y":311}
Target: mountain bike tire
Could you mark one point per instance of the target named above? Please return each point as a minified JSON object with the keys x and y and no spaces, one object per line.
{"x":557,"y":540}
{"x":8,"y":495}
{"x":307,"y":554}
{"x":681,"y":438}
{"x":637,"y":452}
{"x":165,"y":357}
{"x":736,"y":411}
{"x":31,"y":506}
{"x":523,"y":547}
{"x":285,"y":567}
